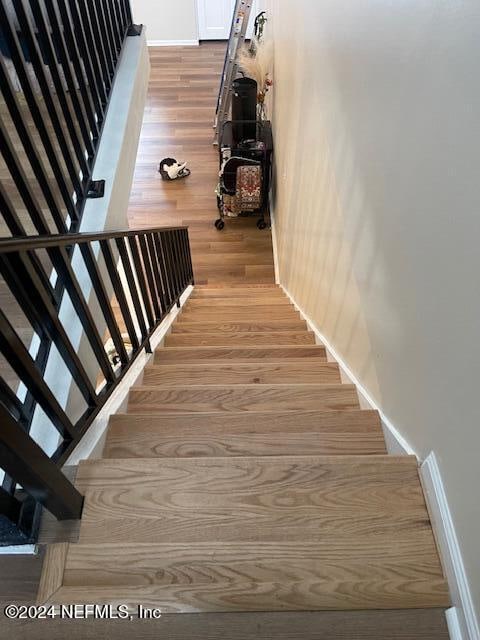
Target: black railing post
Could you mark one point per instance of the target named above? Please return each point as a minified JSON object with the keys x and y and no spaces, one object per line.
{"x":23,"y":459}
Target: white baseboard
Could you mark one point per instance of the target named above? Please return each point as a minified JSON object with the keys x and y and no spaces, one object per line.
{"x":396,"y":443}
{"x":461,"y":618}
{"x":173,"y":43}
{"x":91,"y":445}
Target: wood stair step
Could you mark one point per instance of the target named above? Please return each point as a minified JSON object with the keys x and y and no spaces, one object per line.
{"x":247,"y":301}
{"x":308,"y":498}
{"x":177,"y":355}
{"x":250,"y":534}
{"x":241,"y":373}
{"x":242,"y":313}
{"x":258,"y":444}
{"x":272,"y":326}
{"x":241,"y":294}
{"x":256,"y":397}
{"x":359,"y":421}
{"x":256,"y":576}
{"x":256,"y":434}
{"x":240,"y":339}
{"x":235,"y":286}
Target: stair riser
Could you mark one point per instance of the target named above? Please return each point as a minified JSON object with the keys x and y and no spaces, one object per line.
{"x":319,"y":373}
{"x":277,"y":444}
{"x":235,"y":398}
{"x":238,"y":354}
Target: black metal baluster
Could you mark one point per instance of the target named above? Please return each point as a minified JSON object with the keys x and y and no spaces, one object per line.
{"x":110,"y":45}
{"x":62,"y":265}
{"x":9,"y":214}
{"x":128,"y":11}
{"x":25,"y":461}
{"x":23,"y":184}
{"x":184,"y":245}
{"x":37,"y":62}
{"x":89,"y":50}
{"x":173,"y":265}
{"x":189,"y":256}
{"x":14,"y":224}
{"x":21,"y":276}
{"x":103,"y":300}
{"x":125,"y":21}
{"x":127,"y":267}
{"x":70,"y":116}
{"x":98,"y":41}
{"x":140,"y":269}
{"x":36,"y":162}
{"x":75,"y":36}
{"x":149,"y":268}
{"x":164,"y":270}
{"x":157,"y":272}
{"x":22,"y":363}
{"x":155,"y":282}
{"x":119,"y":292}
{"x":11,"y":402}
{"x":117,"y":24}
{"x":37,"y":116}
{"x":169,"y":265}
{"x":64,"y":55}
{"x":180,"y":260}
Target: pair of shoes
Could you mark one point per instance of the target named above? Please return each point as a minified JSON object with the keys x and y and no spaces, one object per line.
{"x":170,"y":169}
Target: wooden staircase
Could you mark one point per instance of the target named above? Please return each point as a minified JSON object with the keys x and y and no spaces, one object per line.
{"x":245,"y":477}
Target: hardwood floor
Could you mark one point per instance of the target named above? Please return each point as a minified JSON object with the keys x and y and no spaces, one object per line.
{"x":178,"y":123}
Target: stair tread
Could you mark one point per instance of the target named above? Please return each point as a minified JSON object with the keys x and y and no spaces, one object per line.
{"x":235,"y":576}
{"x":241,"y":373}
{"x":359,"y":420}
{"x":237,"y":338}
{"x":266,"y":294}
{"x":273,"y":326}
{"x":238,"y":285}
{"x":244,"y":397}
{"x":250,"y":353}
{"x":244,"y":312}
{"x":245,"y":301}
{"x":221,"y":534}
{"x":250,"y":499}
{"x":252,"y":433}
{"x":136,"y":445}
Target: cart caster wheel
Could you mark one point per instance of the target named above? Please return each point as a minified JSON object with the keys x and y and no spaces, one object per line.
{"x":219,"y":224}
{"x":261,"y":224}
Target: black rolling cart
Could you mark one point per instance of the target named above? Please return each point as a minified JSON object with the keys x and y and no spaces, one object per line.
{"x":244,"y":143}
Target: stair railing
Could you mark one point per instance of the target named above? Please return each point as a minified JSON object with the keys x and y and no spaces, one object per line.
{"x":58,"y":62}
{"x":118,"y":287}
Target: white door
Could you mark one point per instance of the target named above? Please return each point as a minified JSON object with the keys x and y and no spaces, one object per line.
{"x":215,"y":19}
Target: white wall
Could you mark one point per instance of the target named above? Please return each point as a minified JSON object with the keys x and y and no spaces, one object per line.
{"x":167,"y":21}
{"x":377,"y":213}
